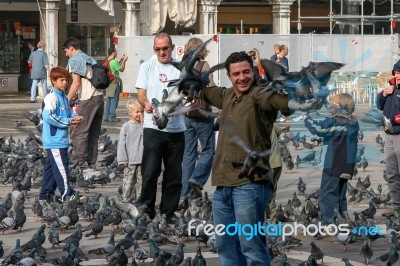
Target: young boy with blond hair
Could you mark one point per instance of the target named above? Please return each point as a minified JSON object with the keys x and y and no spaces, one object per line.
{"x":130,"y":150}
{"x":339,"y":132}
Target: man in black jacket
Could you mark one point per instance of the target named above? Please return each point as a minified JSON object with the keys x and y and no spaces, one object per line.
{"x":388,"y":101}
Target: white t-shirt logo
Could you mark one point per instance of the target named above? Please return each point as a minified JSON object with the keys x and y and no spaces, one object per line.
{"x":162,"y":78}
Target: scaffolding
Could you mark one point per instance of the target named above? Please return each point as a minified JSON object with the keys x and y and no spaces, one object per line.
{"x":350,"y":19}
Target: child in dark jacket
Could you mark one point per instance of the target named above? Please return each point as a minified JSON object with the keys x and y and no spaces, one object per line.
{"x":57,"y":117}
{"x":339,"y":132}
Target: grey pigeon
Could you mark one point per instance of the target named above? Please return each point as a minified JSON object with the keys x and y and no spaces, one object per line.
{"x":311,"y":261}
{"x":190,"y":79}
{"x":284,"y":260}
{"x":37,"y":208}
{"x":7,"y":222}
{"x":20,"y":217}
{"x":198,"y":258}
{"x":15,"y":255}
{"x":374,"y":116}
{"x":317,"y":252}
{"x":96,"y":227}
{"x":122,"y":258}
{"x":106,"y":249}
{"x":345,"y":239}
{"x":296,"y":203}
{"x":37,"y":239}
{"x":68,"y":259}
{"x":346,"y":262}
{"x":301,"y":186}
{"x":391,"y":257}
{"x":366,"y":252}
{"x":162,"y":110}
{"x":18,"y":123}
{"x":249,"y":166}
{"x":54,"y":236}
{"x":139,"y":253}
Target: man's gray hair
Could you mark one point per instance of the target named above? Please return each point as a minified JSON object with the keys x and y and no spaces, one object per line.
{"x":41,"y":44}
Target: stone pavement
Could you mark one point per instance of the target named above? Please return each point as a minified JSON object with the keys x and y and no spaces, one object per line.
{"x":12,"y":107}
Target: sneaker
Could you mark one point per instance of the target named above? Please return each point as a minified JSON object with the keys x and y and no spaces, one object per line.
{"x":196,"y":190}
{"x":281,"y":120}
{"x":114,"y":120}
{"x":44,"y":203}
{"x":89,"y":173}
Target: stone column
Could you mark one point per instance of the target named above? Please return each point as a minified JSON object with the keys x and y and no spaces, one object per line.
{"x":49,"y":31}
{"x":208,"y":16}
{"x":281,"y":16}
{"x":131,"y":24}
{"x":353,"y":8}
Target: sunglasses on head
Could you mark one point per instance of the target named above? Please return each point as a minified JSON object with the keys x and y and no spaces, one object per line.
{"x":157,"y":49}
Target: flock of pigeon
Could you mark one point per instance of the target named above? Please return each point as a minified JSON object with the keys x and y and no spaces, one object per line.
{"x":303,"y":207}
{"x":90,"y":214}
{"x":21,"y":166}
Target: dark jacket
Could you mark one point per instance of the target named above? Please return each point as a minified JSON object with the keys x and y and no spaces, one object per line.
{"x":340,"y":135}
{"x":251,"y":117}
{"x":390,"y":105}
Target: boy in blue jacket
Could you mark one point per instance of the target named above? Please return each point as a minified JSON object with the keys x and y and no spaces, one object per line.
{"x":57,"y":117}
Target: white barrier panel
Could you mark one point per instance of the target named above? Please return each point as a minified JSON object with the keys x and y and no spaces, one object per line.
{"x":375,"y":53}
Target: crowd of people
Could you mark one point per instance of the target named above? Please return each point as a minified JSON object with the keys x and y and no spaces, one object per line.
{"x":248,"y":116}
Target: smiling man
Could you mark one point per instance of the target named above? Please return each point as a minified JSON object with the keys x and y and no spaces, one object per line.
{"x":248,"y":114}
{"x":164,"y":145}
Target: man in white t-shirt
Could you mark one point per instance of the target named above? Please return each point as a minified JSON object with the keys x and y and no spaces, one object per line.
{"x":164,"y":145}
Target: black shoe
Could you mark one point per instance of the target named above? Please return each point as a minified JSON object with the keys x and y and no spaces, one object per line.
{"x":33,"y":101}
{"x":172,"y":218}
{"x":196,"y":190}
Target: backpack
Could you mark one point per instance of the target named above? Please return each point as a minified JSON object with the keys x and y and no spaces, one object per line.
{"x":111,"y":75}
{"x":100,"y":79}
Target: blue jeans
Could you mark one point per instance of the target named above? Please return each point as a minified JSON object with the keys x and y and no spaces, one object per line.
{"x":332,"y":195}
{"x":112,"y":104}
{"x":34,"y":87}
{"x":197,"y":129}
{"x":245,"y":204}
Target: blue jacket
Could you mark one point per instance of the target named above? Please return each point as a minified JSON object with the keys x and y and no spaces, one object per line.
{"x":79,"y":62}
{"x":340,"y":135}
{"x":56,"y":115}
{"x":390,"y":105}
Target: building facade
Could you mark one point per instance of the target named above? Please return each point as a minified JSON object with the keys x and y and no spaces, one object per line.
{"x":23,"y":21}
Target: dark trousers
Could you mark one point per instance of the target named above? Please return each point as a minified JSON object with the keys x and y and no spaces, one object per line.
{"x":160,"y":147}
{"x":85,"y":136}
{"x":332,"y":195}
{"x":56,"y":174}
